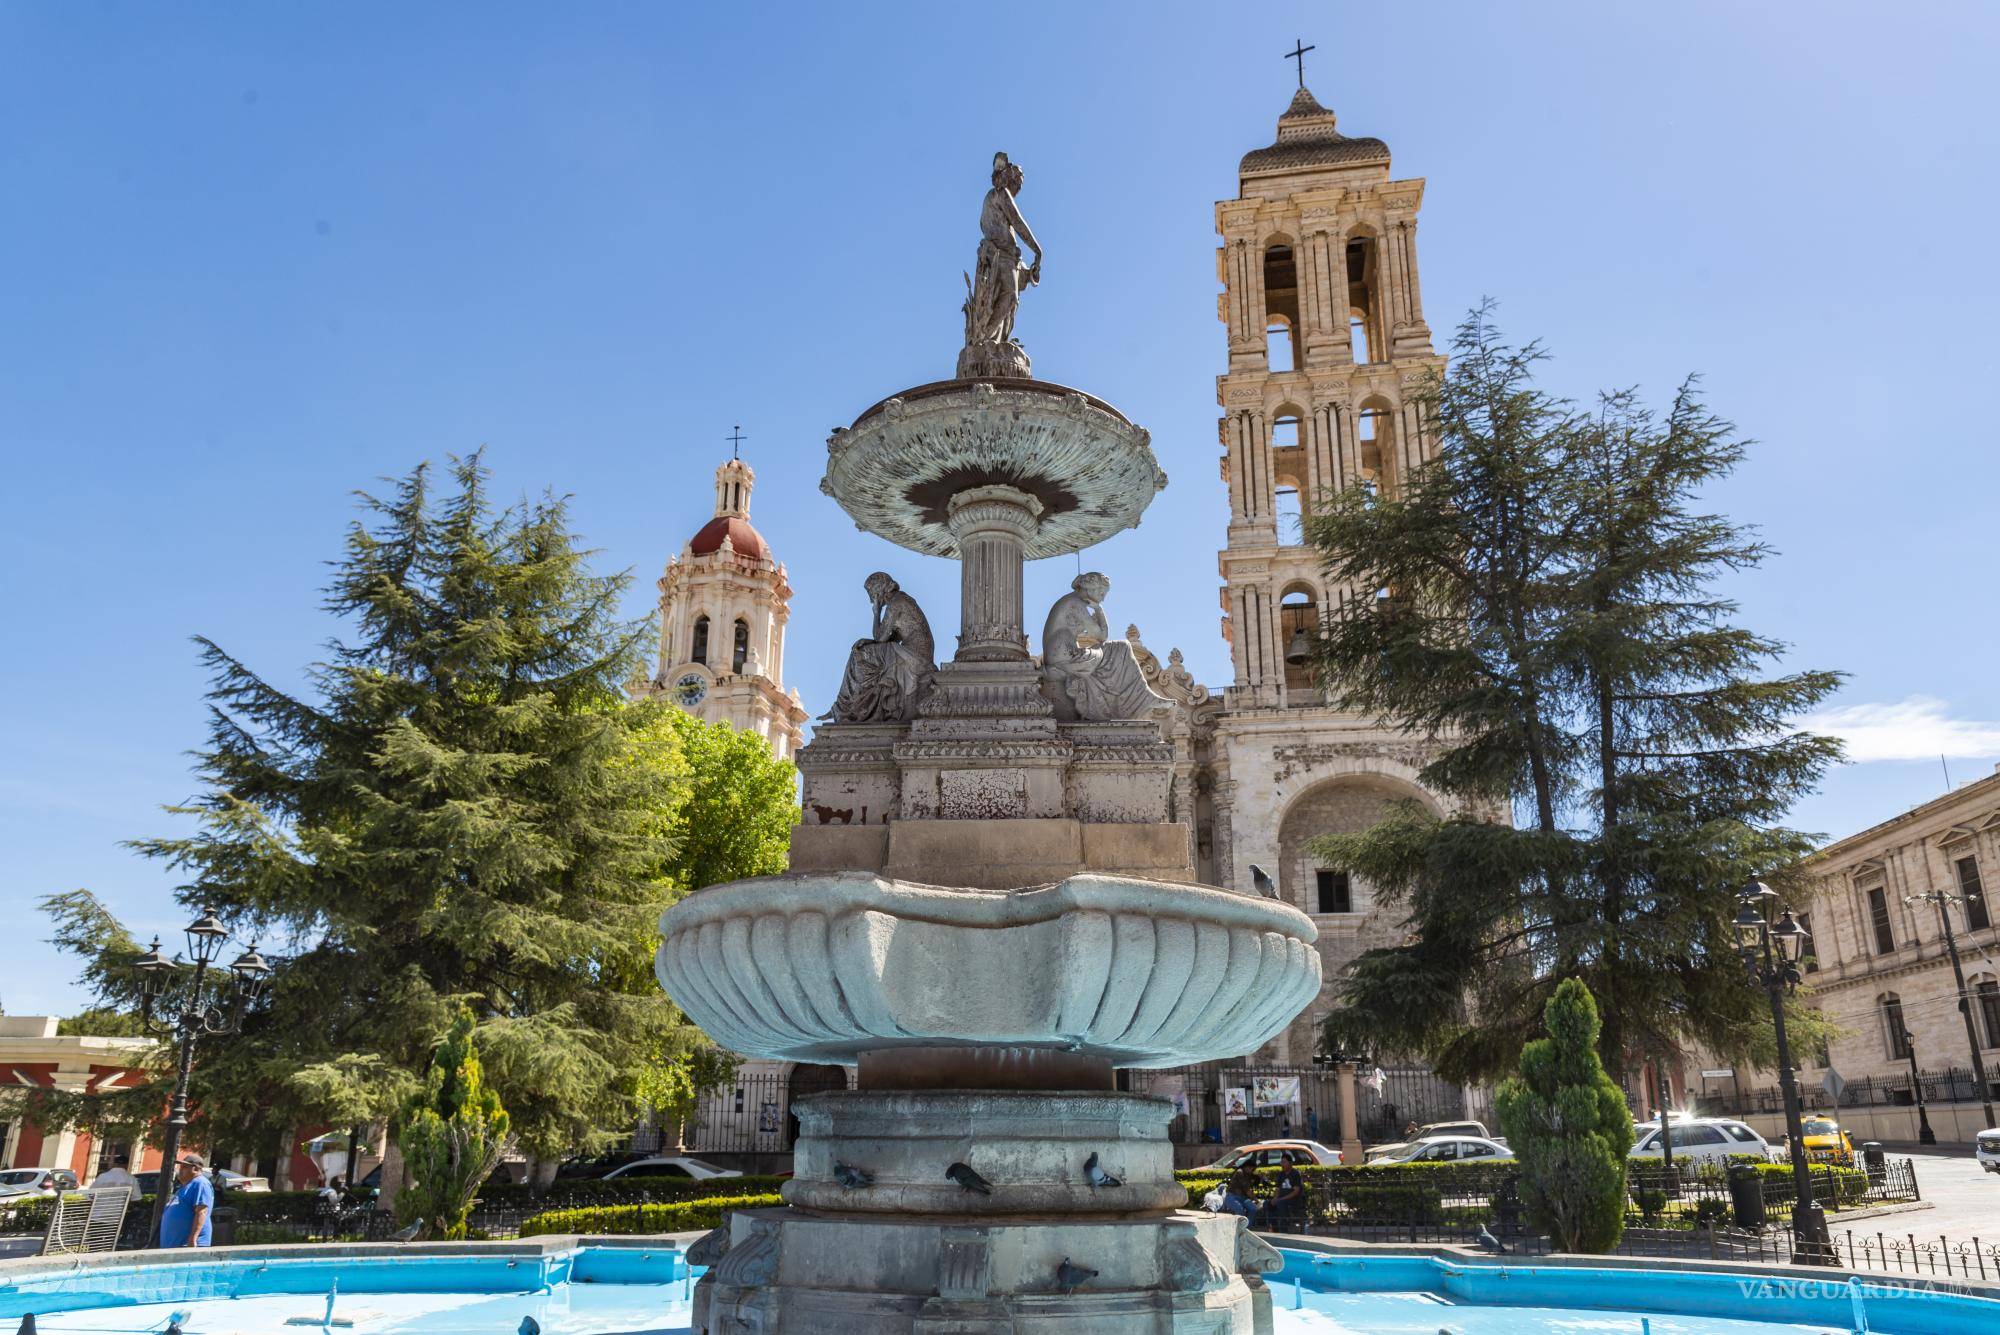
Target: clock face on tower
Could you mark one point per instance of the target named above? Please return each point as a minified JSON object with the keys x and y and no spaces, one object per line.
{"x":691,"y":689}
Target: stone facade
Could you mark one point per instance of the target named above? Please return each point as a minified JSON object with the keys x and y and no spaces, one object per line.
{"x":1871,"y":948}
{"x":724,"y":602}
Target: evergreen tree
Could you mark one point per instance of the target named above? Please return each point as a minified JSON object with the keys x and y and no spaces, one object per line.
{"x":464,"y":810}
{"x":452,"y":1135}
{"x":1569,"y":1127}
{"x":1546,"y":614}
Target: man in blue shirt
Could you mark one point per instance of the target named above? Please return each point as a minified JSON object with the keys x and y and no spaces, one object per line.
{"x":186,"y":1221}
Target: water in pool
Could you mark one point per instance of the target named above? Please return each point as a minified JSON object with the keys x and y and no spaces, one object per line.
{"x":623,"y":1291}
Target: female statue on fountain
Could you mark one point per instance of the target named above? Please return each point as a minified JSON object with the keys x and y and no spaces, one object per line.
{"x":1096,"y":674}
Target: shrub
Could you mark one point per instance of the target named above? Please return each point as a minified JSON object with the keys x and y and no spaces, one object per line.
{"x":625,"y":1190}
{"x":676,"y":1217}
{"x":1569,"y":1127}
{"x":452,"y":1135}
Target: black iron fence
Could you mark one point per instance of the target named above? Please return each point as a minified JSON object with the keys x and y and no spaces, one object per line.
{"x":1232,"y":1103}
{"x":1951,"y":1085}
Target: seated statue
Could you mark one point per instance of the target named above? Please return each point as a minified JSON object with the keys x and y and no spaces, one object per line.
{"x":1096,"y":674}
{"x":889,"y":673}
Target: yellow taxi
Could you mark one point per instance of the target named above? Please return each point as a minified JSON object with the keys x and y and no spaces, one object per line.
{"x":1825,"y":1137}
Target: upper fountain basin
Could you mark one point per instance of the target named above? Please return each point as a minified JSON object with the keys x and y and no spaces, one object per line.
{"x":823,"y":966}
{"x":896,"y":469}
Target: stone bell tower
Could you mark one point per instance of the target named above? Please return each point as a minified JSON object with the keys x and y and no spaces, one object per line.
{"x":724,"y":603}
{"x":1327,"y":350}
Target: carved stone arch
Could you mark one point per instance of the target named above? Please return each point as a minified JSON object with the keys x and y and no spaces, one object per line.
{"x":1347,"y":795}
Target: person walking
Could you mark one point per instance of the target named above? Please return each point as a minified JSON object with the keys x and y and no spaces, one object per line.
{"x":188,"y":1219}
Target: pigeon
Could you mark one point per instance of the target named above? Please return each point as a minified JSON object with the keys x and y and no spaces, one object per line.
{"x":1096,"y":1175}
{"x":407,"y":1234}
{"x":851,"y":1177}
{"x":528,"y":1326}
{"x":1068,"y":1276}
{"x":174,"y":1322}
{"x":1488,"y":1242}
{"x":27,"y":1325}
{"x":971,"y":1181}
{"x":1262,"y":880}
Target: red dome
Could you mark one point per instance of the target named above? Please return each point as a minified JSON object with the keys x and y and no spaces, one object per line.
{"x":745,"y":539}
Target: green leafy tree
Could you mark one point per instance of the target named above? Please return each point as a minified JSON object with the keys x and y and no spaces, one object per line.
{"x":1547,"y":616}
{"x":1569,"y":1127}
{"x":452,"y":1134}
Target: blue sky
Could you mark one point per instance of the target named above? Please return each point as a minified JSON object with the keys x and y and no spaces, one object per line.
{"x":258,"y":255}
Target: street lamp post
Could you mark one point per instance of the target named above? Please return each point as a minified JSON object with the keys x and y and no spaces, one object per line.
{"x":1770,"y":951}
{"x":1943,"y":901}
{"x":192,"y":1010}
{"x":1925,"y":1136}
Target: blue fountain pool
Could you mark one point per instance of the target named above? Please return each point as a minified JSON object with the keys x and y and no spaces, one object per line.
{"x":599,"y":1290}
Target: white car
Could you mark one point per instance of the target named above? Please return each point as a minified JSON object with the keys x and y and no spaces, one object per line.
{"x":20,"y":1183}
{"x":1375,"y":1152}
{"x":1449,"y":1149}
{"x":1988,"y":1146}
{"x":670,"y":1166}
{"x":1700,"y":1140}
{"x":235,"y":1181}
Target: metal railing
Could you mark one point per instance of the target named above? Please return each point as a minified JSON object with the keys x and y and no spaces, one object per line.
{"x":1951,"y":1085}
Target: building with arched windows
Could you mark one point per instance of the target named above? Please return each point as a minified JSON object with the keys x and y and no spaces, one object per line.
{"x":724,"y":603}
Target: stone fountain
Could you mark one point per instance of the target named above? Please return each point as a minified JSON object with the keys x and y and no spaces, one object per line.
{"x":991,"y":909}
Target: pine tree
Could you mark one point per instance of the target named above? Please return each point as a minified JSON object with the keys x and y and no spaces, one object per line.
{"x":1546,"y":614}
{"x":463,"y":810}
{"x":452,"y":1135}
{"x":1569,"y":1128}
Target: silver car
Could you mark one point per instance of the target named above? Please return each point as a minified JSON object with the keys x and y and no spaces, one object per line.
{"x":1988,"y":1149}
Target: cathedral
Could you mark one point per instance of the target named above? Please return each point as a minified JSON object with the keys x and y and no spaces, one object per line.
{"x":724,"y":602}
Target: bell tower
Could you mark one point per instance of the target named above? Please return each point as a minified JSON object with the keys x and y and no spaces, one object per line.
{"x":724,"y":603}
{"x":1327,"y":347}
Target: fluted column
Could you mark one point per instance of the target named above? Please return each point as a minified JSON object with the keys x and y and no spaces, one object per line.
{"x":993,"y":526}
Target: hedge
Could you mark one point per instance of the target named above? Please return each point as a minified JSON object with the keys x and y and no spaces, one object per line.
{"x":628,"y":1189}
{"x":674,"y":1217}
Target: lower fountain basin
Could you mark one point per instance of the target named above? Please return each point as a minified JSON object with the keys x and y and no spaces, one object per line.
{"x":824,"y":966}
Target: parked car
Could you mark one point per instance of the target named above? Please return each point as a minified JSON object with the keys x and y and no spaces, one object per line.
{"x":17,"y":1182}
{"x":1700,"y":1139}
{"x":1269,"y":1153}
{"x":1988,"y":1149}
{"x":599,"y":1165}
{"x":235,"y":1181}
{"x":1825,"y":1138}
{"x":671,"y":1166}
{"x":1428,"y":1130}
{"x":1450,"y":1149}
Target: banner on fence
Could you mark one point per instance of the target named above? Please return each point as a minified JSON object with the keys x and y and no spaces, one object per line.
{"x":767,"y":1118}
{"x":1274,"y":1091}
{"x":1235,"y":1104}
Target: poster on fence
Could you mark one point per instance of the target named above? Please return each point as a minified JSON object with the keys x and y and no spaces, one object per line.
{"x":1274,"y":1091}
{"x":1172,"y":1088}
{"x":1235,"y":1104}
{"x":767,"y":1118}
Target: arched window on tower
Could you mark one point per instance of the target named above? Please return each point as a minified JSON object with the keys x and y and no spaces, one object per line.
{"x":1290,"y":513}
{"x":1298,"y":621}
{"x":740,"y":651}
{"x":700,"y":653}
{"x":1288,"y":465}
{"x":1364,"y":298}
{"x":1374,"y":431}
{"x":1281,"y":307}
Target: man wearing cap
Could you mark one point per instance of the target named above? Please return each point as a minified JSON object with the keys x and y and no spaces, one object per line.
{"x":186,"y":1221}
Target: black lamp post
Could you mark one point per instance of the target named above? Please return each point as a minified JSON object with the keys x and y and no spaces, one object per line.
{"x":1770,"y":951}
{"x":1925,"y":1136}
{"x":191,"y":1008}
{"x":1944,"y":900}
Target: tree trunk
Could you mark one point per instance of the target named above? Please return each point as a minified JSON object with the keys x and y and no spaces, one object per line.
{"x":542,"y":1171}
{"x":392,"y":1175}
{"x":281,"y":1172}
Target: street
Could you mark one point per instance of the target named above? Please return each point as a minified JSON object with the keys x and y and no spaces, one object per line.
{"x":1964,"y":1197}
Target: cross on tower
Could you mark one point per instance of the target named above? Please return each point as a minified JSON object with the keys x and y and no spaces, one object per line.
{"x":1298,"y":53}
{"x":736,"y":439}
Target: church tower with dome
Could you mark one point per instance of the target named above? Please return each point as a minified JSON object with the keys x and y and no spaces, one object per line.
{"x":724,"y":602}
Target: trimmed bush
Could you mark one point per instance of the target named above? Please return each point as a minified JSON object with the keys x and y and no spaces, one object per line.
{"x":627,"y":1190}
{"x":674,"y":1217}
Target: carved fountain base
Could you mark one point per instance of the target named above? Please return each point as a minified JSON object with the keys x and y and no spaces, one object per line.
{"x":799,"y":1272}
